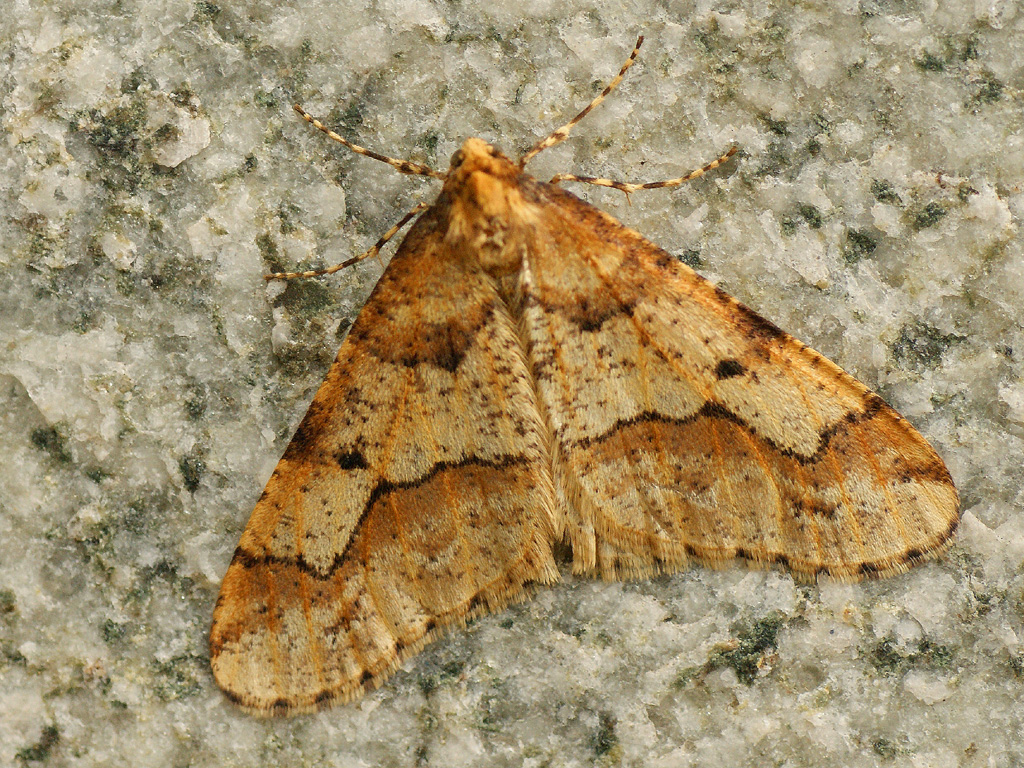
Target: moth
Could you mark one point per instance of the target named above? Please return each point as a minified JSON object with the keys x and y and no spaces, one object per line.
{"x":529,"y":371}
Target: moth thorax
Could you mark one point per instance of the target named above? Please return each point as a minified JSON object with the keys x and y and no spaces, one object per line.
{"x":489,"y":220}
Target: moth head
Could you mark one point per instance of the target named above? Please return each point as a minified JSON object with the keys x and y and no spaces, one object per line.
{"x":487,"y":214}
{"x":476,"y":155}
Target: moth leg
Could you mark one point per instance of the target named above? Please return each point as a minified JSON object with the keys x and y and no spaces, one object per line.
{"x":355,"y":259}
{"x":628,"y":188}
{"x":402,"y":166}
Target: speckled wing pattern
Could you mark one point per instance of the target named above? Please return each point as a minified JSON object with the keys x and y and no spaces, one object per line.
{"x":528,"y":370}
{"x":415,"y":494}
{"x":690,"y":428}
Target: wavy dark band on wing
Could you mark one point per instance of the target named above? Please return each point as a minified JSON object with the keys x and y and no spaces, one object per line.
{"x":381,"y":490}
{"x":936,"y":470}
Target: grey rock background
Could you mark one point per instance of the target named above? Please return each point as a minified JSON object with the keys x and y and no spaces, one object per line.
{"x":153,"y":171}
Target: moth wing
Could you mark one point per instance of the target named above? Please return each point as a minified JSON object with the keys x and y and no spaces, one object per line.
{"x":690,"y":428}
{"x":415,"y":494}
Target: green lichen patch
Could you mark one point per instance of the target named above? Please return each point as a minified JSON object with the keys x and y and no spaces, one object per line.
{"x":884,"y":192}
{"x":965,"y":191}
{"x":687,"y":675}
{"x":746,"y":654}
{"x":347,"y":118}
{"x":269,"y":252}
{"x":885,"y":658}
{"x":266,"y":99}
{"x":440,"y":674}
{"x":197,"y":400}
{"x":135,"y":80}
{"x":305,"y":299}
{"x":206,"y":10}
{"x":920,"y":345}
{"x":119,"y":136}
{"x":429,"y":142}
{"x":290,"y":216}
{"x":887,"y":748}
{"x":181,"y":677}
{"x":859,"y":244}
{"x":691,"y":258}
{"x":604,"y":739}
{"x":113,"y":631}
{"x":8,"y":603}
{"x":117,"y":132}
{"x":53,"y":441}
{"x":929,"y":62}
{"x":1017,"y":665}
{"x":775,"y":160}
{"x":949,"y":56}
{"x":495,"y":709}
{"x":299,"y":69}
{"x":987,"y":89}
{"x":192,"y":467}
{"x":40,"y":751}
{"x":928,"y":216}
{"x":890,"y":659}
{"x":811,"y":214}
{"x":778,"y":127}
